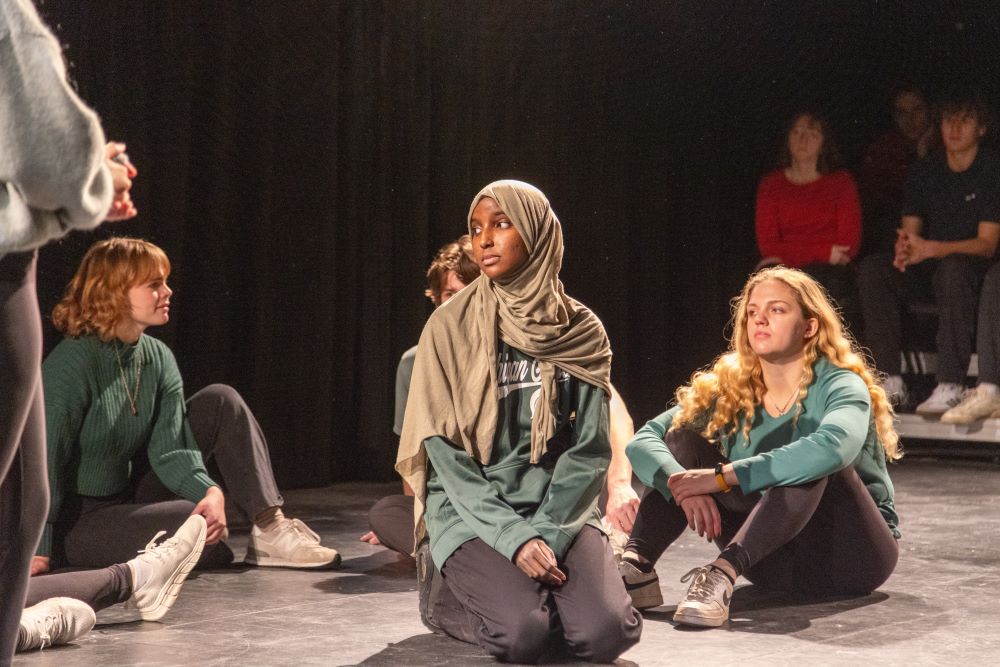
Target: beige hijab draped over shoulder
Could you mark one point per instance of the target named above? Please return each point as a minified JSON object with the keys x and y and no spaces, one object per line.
{"x":453,"y":391}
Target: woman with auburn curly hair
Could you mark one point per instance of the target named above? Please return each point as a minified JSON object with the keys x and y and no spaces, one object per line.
{"x":127,"y":454}
{"x":777,"y":453}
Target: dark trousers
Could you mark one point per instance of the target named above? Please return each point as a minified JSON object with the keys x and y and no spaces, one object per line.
{"x":24,"y":489}
{"x":825,"y":537}
{"x":98,"y":588}
{"x":518,"y":619}
{"x":391,"y":519}
{"x":98,"y":532}
{"x":952,"y":282}
{"x":988,"y":331}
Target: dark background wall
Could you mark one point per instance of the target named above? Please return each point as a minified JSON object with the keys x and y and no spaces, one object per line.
{"x":301,"y":161}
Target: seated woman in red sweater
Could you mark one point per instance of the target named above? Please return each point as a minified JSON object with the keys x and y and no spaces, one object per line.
{"x":808,"y":212}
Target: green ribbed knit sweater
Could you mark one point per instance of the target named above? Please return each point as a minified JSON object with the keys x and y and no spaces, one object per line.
{"x":92,"y":433}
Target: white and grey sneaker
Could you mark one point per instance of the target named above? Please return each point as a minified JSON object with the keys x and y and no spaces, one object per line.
{"x":162,"y":568}
{"x":945,"y":396}
{"x":52,"y":622}
{"x":642,"y":587}
{"x":291,"y":543}
{"x":978,"y":403}
{"x":707,"y":601}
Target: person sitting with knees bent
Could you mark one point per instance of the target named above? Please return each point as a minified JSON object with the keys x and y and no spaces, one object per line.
{"x":778,"y":454}
{"x":127,"y":454}
{"x":505,"y":443}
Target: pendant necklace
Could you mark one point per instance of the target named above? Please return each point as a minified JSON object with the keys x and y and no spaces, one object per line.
{"x":788,"y":402}
{"x":132,"y":396}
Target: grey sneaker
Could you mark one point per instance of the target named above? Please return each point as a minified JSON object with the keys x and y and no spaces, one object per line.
{"x":707,"y":601}
{"x":168,"y":564}
{"x":642,"y":587}
{"x":289,"y":544}
{"x":429,"y":583}
{"x":52,"y":622}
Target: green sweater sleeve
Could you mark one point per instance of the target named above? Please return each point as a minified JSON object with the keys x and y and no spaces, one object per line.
{"x":475,"y":499}
{"x":845,"y":404}
{"x":651,"y":460}
{"x":173,"y":452}
{"x":578,"y":475}
{"x":67,"y":399}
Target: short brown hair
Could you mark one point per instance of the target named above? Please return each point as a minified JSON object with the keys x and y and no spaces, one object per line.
{"x":455,"y":256}
{"x":96,"y":299}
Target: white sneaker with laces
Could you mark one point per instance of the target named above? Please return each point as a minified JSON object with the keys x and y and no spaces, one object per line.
{"x":289,"y":544}
{"x":978,"y":403}
{"x":52,"y":622}
{"x":945,"y":396}
{"x":707,"y":601}
{"x":167,"y":565}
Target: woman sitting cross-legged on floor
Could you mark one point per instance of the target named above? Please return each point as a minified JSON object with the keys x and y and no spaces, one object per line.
{"x":777,"y":453}
{"x":127,"y":455}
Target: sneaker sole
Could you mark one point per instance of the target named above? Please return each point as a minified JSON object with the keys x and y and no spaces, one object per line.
{"x":267,"y":561}
{"x":645,"y":595}
{"x":168,"y":594}
{"x":699,"y":621}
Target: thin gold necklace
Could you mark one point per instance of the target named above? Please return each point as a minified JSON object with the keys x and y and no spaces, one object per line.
{"x":132,"y":396}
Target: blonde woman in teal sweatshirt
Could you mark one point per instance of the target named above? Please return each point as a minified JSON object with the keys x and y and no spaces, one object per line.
{"x":778,"y":454}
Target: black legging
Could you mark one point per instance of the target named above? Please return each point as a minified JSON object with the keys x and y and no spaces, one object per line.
{"x":98,"y":588}
{"x":825,"y":537}
{"x":24,"y":488}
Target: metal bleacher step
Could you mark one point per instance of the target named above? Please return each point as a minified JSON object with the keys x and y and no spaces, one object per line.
{"x":914,"y":426}
{"x":910,"y":425}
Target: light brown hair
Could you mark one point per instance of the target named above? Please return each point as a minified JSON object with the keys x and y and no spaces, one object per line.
{"x":96,"y":299}
{"x":455,"y":256}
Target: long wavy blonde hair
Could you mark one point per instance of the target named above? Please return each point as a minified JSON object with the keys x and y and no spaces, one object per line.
{"x":96,"y":299}
{"x":734,"y":385}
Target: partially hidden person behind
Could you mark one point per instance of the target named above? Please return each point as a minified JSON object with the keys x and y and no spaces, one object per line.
{"x":808,"y":214}
{"x":505,"y":445}
{"x":946,"y":242}
{"x":391,"y":518}
{"x":127,"y":454}
{"x":778,"y":454}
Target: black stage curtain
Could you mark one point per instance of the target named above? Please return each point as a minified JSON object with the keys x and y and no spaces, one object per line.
{"x":301,"y":161}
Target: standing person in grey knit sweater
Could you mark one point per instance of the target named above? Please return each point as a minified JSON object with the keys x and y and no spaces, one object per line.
{"x":56,"y":174}
{"x":127,"y":455}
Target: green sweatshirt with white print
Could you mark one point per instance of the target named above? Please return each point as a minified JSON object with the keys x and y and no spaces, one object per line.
{"x":511,"y":501}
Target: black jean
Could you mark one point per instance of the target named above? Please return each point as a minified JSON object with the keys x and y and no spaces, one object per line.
{"x":98,"y":532}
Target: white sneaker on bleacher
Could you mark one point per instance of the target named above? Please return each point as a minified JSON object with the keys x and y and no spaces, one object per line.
{"x":945,"y":396}
{"x":978,"y":403}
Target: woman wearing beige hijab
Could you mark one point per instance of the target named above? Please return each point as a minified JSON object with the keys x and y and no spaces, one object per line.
{"x":505,"y":444}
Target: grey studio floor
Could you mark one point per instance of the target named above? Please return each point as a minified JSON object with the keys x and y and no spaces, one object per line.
{"x":939,"y":606}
